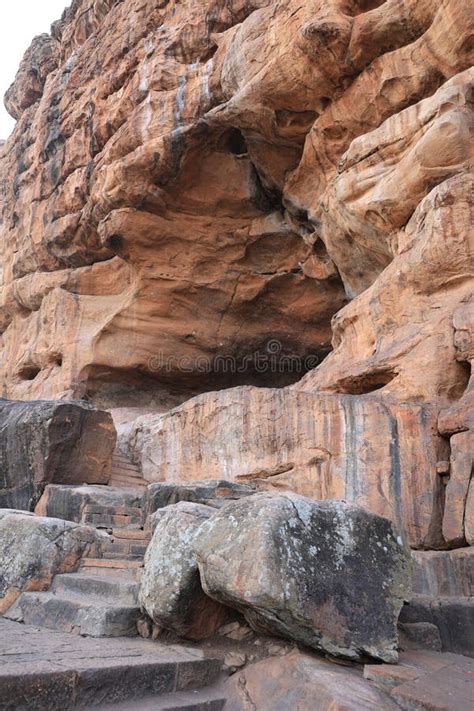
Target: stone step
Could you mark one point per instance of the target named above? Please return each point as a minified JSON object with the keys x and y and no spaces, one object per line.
{"x":113,"y":567}
{"x":127,"y":482}
{"x":79,"y":614}
{"x":119,"y":456}
{"x":118,"y":563}
{"x":132,"y":574}
{"x":453,"y":616}
{"x":54,"y":671}
{"x":209,"y":699}
{"x":130,"y":554}
{"x":120,"y":591}
{"x":126,"y":473}
{"x":136,"y":535}
{"x":125,"y":467}
{"x":129,"y":546}
{"x":131,"y":511}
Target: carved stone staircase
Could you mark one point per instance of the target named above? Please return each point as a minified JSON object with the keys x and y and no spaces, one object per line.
{"x":101,"y":598}
{"x":125,"y":473}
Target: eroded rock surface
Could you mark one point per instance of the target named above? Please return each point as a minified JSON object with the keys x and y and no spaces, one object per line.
{"x":51,"y":442}
{"x":34,"y":549}
{"x":159,"y":243}
{"x":326,"y":574}
{"x":457,"y":424}
{"x":178,"y":189}
{"x":170,"y":590}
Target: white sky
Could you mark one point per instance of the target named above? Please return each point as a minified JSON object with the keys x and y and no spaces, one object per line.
{"x":21,"y":20}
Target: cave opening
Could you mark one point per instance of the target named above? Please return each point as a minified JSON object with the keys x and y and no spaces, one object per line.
{"x":29,"y":372}
{"x":115,"y":242}
{"x":236,"y":143}
{"x":166,"y":384}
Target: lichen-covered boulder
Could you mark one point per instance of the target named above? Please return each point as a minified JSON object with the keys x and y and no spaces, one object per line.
{"x":170,"y":591}
{"x":47,"y":442}
{"x":33,"y":549}
{"x":328,"y":574}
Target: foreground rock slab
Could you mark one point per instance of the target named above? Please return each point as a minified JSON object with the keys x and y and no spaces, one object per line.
{"x":52,"y":670}
{"x":296,"y":681}
{"x":51,"y":442}
{"x":34,"y":549}
{"x":170,"y":590}
{"x":327,"y":574}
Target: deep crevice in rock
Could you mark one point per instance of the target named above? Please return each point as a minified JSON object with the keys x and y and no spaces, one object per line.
{"x":367,"y":383}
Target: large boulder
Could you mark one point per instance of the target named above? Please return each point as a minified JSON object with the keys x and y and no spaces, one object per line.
{"x":328,"y":574}
{"x":296,"y":680}
{"x":51,"y":442}
{"x":34,"y":549}
{"x":170,"y":590}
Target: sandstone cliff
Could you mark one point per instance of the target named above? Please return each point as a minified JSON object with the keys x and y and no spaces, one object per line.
{"x":190,"y":180}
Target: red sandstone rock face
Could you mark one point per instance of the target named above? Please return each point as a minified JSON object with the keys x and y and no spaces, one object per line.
{"x":138,"y":224}
{"x":177,"y":187}
{"x":378,"y":454}
{"x":192,"y":179}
